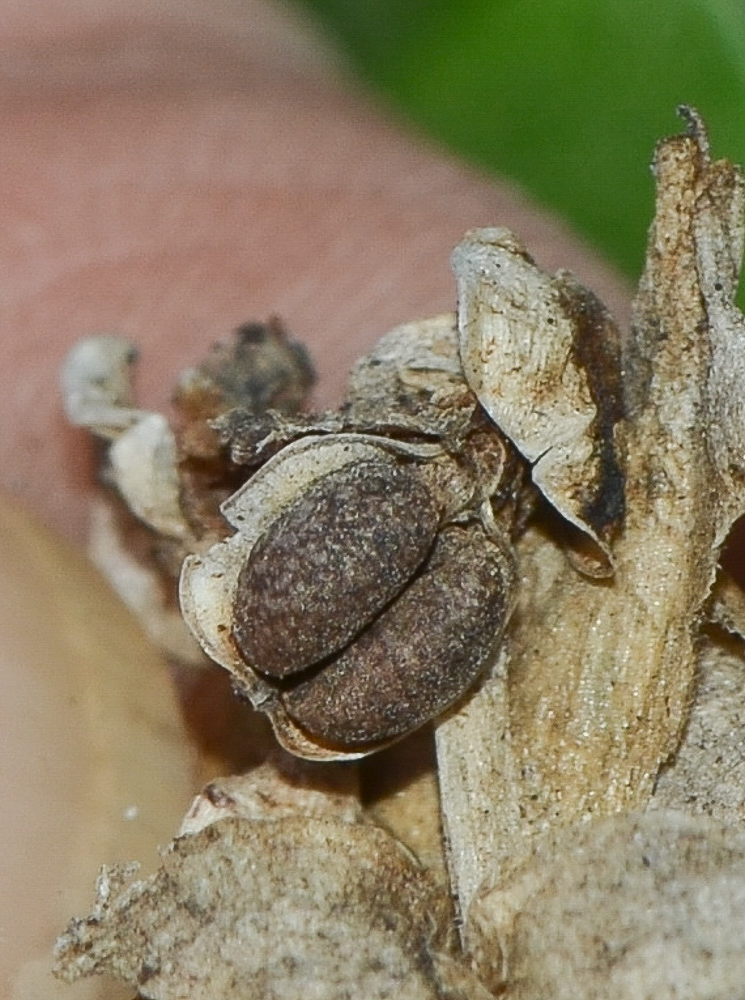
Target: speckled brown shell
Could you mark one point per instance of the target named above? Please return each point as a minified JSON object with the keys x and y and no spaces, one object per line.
{"x":422,"y":654}
{"x":211,"y":582}
{"x":331,"y":562}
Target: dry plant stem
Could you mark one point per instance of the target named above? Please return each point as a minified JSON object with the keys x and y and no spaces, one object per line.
{"x":601,"y":671}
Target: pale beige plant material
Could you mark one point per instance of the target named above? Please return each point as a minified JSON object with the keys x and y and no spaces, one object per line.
{"x":641,"y":444}
{"x":279,"y":787}
{"x":571,"y":717}
{"x":707,"y":774}
{"x":630,"y":906}
{"x":274,"y":909}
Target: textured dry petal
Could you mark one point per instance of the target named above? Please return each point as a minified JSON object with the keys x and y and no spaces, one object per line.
{"x":267,"y":910}
{"x":96,"y":383}
{"x":412,"y":381}
{"x":543,"y":355}
{"x":630,"y":906}
{"x":329,"y":564}
{"x":143,"y":469}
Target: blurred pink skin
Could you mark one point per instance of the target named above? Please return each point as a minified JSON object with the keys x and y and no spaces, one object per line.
{"x":173,"y":168}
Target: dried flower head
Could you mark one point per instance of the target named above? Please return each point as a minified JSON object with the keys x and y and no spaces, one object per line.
{"x":371,"y":573}
{"x":360,"y":580}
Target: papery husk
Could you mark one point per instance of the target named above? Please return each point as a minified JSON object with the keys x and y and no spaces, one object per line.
{"x":273,"y":909}
{"x":593,"y":694}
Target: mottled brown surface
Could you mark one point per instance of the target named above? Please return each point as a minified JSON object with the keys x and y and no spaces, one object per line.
{"x":330,"y":563}
{"x":423,"y":653}
{"x":267,"y":910}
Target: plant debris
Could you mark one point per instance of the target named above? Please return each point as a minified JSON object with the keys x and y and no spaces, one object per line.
{"x":268,"y":909}
{"x":634,"y":905}
{"x":511,"y":529}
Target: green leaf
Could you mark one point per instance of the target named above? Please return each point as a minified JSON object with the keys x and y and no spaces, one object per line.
{"x":566,"y":98}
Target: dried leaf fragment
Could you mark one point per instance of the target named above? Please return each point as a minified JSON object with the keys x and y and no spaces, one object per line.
{"x":642,"y":905}
{"x":267,"y":910}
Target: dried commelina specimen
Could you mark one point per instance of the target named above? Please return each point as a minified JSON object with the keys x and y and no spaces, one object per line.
{"x":512,"y":526}
{"x":371,"y":574}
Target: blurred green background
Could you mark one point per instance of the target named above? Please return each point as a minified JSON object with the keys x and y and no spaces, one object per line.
{"x":568,"y":98}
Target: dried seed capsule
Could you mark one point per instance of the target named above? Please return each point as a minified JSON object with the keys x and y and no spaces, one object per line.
{"x":330,"y":562}
{"x":421,"y":654}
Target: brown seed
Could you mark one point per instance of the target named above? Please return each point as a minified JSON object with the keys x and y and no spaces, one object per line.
{"x":329,"y":564}
{"x":421,"y":654}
